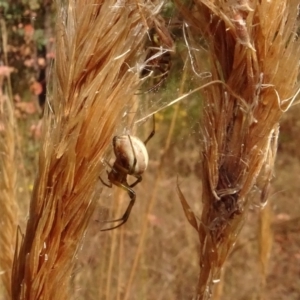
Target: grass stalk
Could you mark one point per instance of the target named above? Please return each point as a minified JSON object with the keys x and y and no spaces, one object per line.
{"x":121,"y":262}
{"x":265,"y":243}
{"x":219,"y":289}
{"x":118,"y":196}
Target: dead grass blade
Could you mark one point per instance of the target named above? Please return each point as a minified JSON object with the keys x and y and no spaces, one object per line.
{"x":99,"y":48}
{"x":187,"y":209}
{"x":8,"y":171}
{"x":254,"y":49}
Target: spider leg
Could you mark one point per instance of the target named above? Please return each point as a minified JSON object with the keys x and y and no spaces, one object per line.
{"x":138,"y":180}
{"x":152,"y":133}
{"x":126,"y":215}
{"x":131,"y":170}
{"x":127,"y":172}
{"x":104,"y":183}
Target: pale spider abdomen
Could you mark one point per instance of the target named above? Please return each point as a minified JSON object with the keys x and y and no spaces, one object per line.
{"x":127,"y":149}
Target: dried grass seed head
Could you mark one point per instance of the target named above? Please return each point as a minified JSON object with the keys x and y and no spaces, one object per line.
{"x":96,"y":45}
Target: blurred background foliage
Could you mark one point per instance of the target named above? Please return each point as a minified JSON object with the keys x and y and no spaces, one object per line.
{"x":168,"y":267}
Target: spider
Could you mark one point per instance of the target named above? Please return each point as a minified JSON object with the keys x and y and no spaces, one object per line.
{"x":131,"y":159}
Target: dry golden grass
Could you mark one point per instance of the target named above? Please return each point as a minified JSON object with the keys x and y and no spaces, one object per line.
{"x":99,"y":53}
{"x":252,"y":47}
{"x":8,"y":171}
